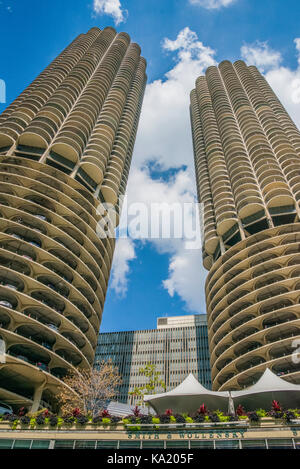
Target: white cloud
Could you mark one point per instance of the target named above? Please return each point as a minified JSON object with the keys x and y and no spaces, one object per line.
{"x":164,"y":131}
{"x":164,"y":139}
{"x":187,"y":278}
{"x":284,"y":81}
{"x":112,"y":8}
{"x":124,"y":253}
{"x":186,"y":274}
{"x":261,"y":55}
{"x":212,"y":4}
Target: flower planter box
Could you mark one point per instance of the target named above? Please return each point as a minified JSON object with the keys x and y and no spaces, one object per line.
{"x":270,"y":421}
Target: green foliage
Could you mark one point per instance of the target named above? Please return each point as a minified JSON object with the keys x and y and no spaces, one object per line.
{"x":153,"y":381}
{"x":222,"y":417}
{"x":261,"y":413}
{"x":155,"y":420}
{"x":172,"y":419}
{"x":189,"y":420}
{"x":32,"y":422}
{"x":243,"y":417}
{"x":106,"y":421}
{"x":126,"y":421}
{"x":60,"y":421}
{"x":295,"y":411}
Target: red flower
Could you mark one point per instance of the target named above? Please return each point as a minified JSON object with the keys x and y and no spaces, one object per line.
{"x":21,"y":411}
{"x":240,"y":410}
{"x":136,"y":411}
{"x":76,"y":412}
{"x":276,"y":406}
{"x":202,"y":409}
{"x":169,"y":412}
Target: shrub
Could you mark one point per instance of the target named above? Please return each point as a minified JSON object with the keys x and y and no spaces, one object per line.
{"x":222,"y":417}
{"x":155,"y":420}
{"x":289,"y":415}
{"x":146,"y":419}
{"x":261,"y":413}
{"x":97,"y":419}
{"x":114,"y":419}
{"x":11,"y":417}
{"x":179,"y":418}
{"x":106,"y":421}
{"x":25,"y":420}
{"x":253,"y":417}
{"x":40,"y":419}
{"x":68,"y":419}
{"x":276,"y":414}
{"x":53,"y":420}
{"x":214,"y":417}
{"x":82,"y":419}
{"x":164,"y":418}
{"x":132,"y":419}
{"x":198,"y":418}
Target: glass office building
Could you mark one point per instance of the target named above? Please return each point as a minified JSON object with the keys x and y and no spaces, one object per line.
{"x":178,"y":346}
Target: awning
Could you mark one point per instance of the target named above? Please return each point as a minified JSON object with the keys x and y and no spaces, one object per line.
{"x":268,"y":388}
{"x":188,"y":397}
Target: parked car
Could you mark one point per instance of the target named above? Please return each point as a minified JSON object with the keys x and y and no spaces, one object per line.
{"x":5,"y":409}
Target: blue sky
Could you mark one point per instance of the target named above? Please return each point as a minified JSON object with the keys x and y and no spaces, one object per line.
{"x":179,"y":39}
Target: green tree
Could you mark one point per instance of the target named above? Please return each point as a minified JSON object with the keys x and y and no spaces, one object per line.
{"x":153,"y":382}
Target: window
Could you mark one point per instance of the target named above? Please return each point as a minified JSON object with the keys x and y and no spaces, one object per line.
{"x":40,"y":444}
{"x":232,"y":444}
{"x":6,"y":444}
{"x":177,"y":444}
{"x":153,"y":444}
{"x":253,"y":444}
{"x":22,"y":444}
{"x":280,"y":444}
{"x":85,"y":444}
{"x":202,"y":444}
{"x":130,"y":444}
{"x":64,"y":444}
{"x":106,"y":444}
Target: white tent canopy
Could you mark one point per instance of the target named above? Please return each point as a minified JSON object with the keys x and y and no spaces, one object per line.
{"x":190,"y":395}
{"x":266,"y":389}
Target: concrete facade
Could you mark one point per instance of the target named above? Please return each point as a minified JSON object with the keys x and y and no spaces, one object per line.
{"x":65,"y":149}
{"x":247,"y":160}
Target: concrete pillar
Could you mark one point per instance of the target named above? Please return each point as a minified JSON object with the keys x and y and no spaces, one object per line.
{"x":37,"y":397}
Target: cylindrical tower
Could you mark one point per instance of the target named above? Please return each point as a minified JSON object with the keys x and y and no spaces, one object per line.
{"x":65,"y":150}
{"x":247,"y":161}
